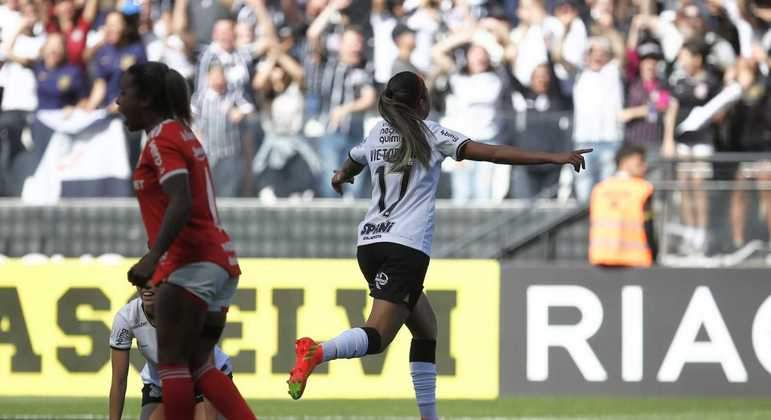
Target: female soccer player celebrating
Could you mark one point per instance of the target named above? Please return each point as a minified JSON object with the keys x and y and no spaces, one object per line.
{"x":136,"y":320}
{"x":191,"y":257}
{"x":404,"y":153}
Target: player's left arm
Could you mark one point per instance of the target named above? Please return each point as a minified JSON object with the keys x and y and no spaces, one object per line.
{"x":346,"y":174}
{"x":177,"y":188}
{"x":509,"y":155}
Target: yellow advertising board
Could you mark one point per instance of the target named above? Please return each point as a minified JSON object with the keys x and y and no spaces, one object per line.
{"x":56,"y":316}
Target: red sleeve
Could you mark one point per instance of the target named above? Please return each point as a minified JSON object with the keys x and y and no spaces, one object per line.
{"x":77,"y":45}
{"x":632,"y":64}
{"x":168,"y":157}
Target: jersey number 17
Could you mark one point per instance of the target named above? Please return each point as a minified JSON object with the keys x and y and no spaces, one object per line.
{"x":380,"y":171}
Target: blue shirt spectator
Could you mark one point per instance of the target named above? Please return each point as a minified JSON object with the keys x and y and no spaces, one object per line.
{"x":111,"y":61}
{"x":60,"y":86}
{"x":120,"y":49}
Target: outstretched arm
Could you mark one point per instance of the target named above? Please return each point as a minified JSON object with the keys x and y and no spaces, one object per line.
{"x":513,"y":156}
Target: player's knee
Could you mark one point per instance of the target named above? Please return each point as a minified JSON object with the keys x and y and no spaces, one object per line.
{"x":375,"y":342}
{"x":423,"y":350}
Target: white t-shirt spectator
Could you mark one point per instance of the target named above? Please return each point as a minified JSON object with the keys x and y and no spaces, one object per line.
{"x":386,"y":52}
{"x":574,"y":47}
{"x":473,"y":105}
{"x":597,"y":100}
{"x":425,"y":27}
{"x":531,"y":46}
{"x":20,"y":85}
{"x":168,"y":49}
{"x":9,"y":24}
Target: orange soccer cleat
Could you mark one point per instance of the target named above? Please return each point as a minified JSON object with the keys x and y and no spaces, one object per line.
{"x":308,"y":354}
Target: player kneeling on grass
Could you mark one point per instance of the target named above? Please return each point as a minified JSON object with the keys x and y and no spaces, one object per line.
{"x":135,"y":320}
{"x":404,"y":153}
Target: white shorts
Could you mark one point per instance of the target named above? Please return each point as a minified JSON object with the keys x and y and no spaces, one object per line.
{"x":208,"y":281}
{"x":694,"y":151}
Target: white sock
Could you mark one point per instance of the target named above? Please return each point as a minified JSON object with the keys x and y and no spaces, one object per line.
{"x":348,"y":345}
{"x":424,"y":381}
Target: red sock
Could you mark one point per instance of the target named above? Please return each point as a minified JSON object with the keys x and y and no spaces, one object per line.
{"x":222,"y":393}
{"x":178,"y":396}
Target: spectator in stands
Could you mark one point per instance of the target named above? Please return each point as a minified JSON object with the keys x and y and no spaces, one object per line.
{"x":10,"y":19}
{"x":604,"y":25}
{"x":404,"y":38}
{"x":217,"y":113}
{"x":236,"y":67}
{"x":345,"y":93}
{"x":223,"y":51}
{"x":758,"y":14}
{"x":285,"y":165}
{"x":596,"y":115}
{"x":427,"y":22}
{"x":385,"y":16}
{"x":750,"y":129}
{"x":198,"y":19}
{"x":538,"y":33}
{"x":692,"y":87}
{"x":74,"y":25}
{"x":647,"y":100}
{"x":687,"y":24}
{"x":542,"y":122}
{"x":60,"y":85}
{"x":474,"y":105}
{"x":621,"y":224}
{"x":165,"y":45}
{"x":120,"y":49}
{"x":19,"y":99}
{"x":536,"y":26}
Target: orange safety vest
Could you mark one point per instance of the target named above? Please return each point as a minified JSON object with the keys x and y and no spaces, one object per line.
{"x":617,"y":231}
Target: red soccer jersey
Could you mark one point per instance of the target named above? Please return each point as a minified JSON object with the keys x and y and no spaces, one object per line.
{"x":172,"y":149}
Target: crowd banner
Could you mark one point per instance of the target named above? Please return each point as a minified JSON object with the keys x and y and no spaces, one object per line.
{"x":56,"y":315}
{"x":656,"y":332}
{"x":85,"y":155}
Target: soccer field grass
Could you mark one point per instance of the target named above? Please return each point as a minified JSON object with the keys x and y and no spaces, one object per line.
{"x":506,"y":408}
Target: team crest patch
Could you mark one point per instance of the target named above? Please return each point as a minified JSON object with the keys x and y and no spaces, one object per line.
{"x":64,"y":83}
{"x":381,"y":279}
{"x":127,"y":61}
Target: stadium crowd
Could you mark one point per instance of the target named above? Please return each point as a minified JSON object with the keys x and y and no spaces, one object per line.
{"x":282,"y":89}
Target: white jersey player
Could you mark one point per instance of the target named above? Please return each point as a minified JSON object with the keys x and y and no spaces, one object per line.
{"x":403,"y":153}
{"x":134,"y":321}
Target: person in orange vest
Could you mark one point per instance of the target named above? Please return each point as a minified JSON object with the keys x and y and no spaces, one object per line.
{"x":621,"y":230}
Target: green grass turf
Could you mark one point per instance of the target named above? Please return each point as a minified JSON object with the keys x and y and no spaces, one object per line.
{"x":585,"y":408}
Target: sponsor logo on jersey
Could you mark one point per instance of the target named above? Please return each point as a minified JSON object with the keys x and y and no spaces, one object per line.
{"x":450,"y":135}
{"x":139,"y":184}
{"x":388,"y":135}
{"x":381,"y":279}
{"x":375,"y":228}
{"x":123,"y":338}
